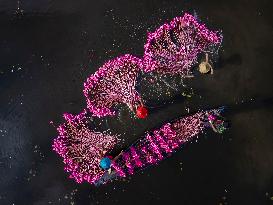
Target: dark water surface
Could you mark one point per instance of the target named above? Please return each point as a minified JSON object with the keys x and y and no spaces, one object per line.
{"x":48,"y":48}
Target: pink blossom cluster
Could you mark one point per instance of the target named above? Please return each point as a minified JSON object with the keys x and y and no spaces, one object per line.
{"x":159,"y":144}
{"x":173,"y":48}
{"x":113,"y":83}
{"x":188,"y":127}
{"x":82,"y":148}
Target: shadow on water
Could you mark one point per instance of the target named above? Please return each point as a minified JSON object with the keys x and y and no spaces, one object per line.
{"x":250,"y":106}
{"x":235,"y":59}
{"x":231,"y":109}
{"x":156,"y":107}
{"x":246,"y":106}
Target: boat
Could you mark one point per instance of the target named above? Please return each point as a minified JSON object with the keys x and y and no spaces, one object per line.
{"x":161,"y":143}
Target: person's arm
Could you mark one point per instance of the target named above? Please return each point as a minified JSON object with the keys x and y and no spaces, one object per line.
{"x":213,"y":127}
{"x":110,"y":170}
{"x":207,"y":61}
{"x":211,"y":123}
{"x":118,"y":155}
{"x":211,"y":70}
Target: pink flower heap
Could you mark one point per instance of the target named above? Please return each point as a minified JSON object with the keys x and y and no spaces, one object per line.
{"x":171,"y":49}
{"x":174,"y":46}
{"x":113,"y":83}
{"x":190,"y":126}
{"x":159,"y":144}
{"x":82,"y":148}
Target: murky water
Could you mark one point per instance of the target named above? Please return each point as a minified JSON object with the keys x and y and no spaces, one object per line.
{"x":49,"y":48}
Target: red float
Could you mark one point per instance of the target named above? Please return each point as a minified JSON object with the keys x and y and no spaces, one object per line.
{"x":142,"y":112}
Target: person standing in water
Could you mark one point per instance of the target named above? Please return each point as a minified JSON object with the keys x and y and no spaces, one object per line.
{"x":216,"y":121}
{"x":205,"y":67}
{"x":105,"y":162}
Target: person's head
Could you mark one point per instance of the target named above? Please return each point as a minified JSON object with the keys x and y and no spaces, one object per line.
{"x":211,"y":117}
{"x":204,"y":67}
{"x":105,"y":163}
